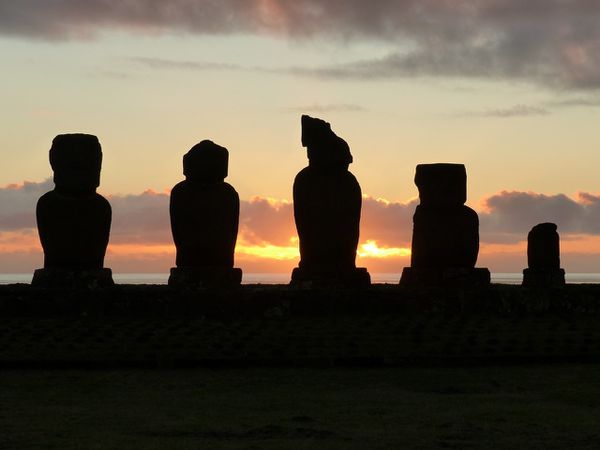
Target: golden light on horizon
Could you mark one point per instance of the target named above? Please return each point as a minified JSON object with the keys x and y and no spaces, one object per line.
{"x":371,"y":249}
{"x":270,"y":251}
{"x":140,"y":249}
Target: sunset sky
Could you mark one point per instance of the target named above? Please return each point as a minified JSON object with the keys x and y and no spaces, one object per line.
{"x":510,"y":88}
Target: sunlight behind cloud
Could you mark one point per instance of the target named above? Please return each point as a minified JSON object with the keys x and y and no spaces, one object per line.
{"x":370,"y":249}
{"x":269,"y":251}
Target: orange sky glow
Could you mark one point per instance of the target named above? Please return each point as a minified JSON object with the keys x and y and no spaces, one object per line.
{"x":507,"y":88}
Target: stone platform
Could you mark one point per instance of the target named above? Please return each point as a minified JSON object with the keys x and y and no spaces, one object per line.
{"x":160,"y":326}
{"x":357,"y":278}
{"x":67,"y":278}
{"x":457,"y":277}
{"x":543,"y":278}
{"x":205,"y":277}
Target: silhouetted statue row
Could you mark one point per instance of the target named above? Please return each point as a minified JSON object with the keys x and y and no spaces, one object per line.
{"x":74,"y":221}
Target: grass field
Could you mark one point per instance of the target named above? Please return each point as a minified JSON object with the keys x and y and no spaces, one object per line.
{"x":504,"y":407}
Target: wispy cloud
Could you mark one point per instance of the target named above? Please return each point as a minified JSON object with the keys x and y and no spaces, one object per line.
{"x":504,"y":113}
{"x":167,"y":64}
{"x":326,"y":108}
{"x":569,"y":102}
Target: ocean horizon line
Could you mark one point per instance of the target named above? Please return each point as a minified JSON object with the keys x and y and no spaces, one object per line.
{"x":284,"y":278}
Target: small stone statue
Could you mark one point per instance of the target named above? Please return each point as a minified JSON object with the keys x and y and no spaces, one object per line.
{"x":543,"y":257}
{"x":327,"y":204}
{"x":205,"y":214}
{"x":445,"y":240}
{"x":73,"y":220}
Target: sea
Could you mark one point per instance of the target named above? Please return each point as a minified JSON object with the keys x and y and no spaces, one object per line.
{"x":284,"y":278}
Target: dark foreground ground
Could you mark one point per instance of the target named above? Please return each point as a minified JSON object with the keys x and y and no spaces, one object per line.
{"x":151,"y":367}
{"x":475,"y":407}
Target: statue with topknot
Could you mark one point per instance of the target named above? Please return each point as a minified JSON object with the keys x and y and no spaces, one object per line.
{"x":204,"y":220}
{"x":327,"y":205}
{"x":73,"y":219}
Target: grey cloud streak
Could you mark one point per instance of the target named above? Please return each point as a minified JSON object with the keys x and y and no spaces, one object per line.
{"x":518,"y":110}
{"x":161,"y":63}
{"x":318,"y":108}
{"x":553,"y":43}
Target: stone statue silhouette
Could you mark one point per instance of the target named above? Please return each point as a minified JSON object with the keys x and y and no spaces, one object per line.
{"x":445,"y":239}
{"x":73,"y":220}
{"x":543,"y":257}
{"x":327,"y":205}
{"x":204,"y":220}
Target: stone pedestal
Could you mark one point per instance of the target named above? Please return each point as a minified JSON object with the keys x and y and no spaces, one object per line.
{"x":454,"y":277}
{"x":543,"y":277}
{"x":205,"y":277}
{"x":354,"y":278}
{"x":72,"y":279}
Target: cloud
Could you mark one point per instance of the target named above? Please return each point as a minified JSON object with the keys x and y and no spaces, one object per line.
{"x":389,"y":223}
{"x":167,"y":64}
{"x":140,"y":218}
{"x":510,"y":215}
{"x":141,"y":236}
{"x":541,"y":109}
{"x":513,"y":111}
{"x":319,"y":108}
{"x":264,"y":221}
{"x":554,"y":43}
{"x":18,"y":204}
{"x":592,"y":102}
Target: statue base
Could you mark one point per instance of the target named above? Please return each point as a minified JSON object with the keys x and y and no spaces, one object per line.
{"x":205,"y":277}
{"x":455,"y":277}
{"x":543,"y":277}
{"x":54,"y":277}
{"x":354,"y":278}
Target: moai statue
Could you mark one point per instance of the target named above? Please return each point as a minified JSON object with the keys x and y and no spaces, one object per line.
{"x":543,"y":258}
{"x":73,"y":220}
{"x":205,"y":213}
{"x":445,"y":239}
{"x":327,"y":204}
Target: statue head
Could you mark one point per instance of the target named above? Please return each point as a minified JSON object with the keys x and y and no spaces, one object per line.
{"x":324,"y":147}
{"x":206,"y":162}
{"x":76,"y":160}
{"x":442,"y":184}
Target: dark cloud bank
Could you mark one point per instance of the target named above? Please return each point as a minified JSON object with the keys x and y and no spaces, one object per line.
{"x":554,"y":43}
{"x":511,"y":215}
{"x":144,"y":218}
